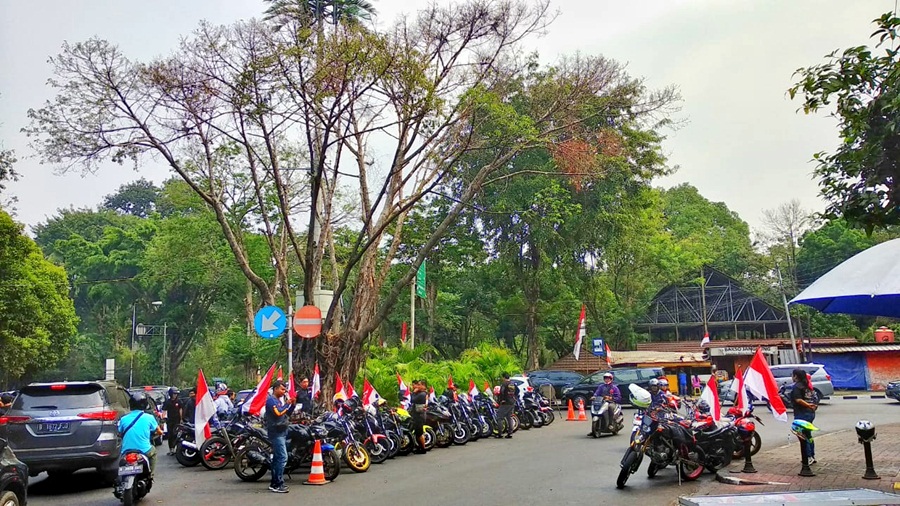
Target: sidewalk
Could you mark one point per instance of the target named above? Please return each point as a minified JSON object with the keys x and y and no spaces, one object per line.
{"x":841,"y":466}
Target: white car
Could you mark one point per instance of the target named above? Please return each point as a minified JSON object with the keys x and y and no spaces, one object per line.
{"x":523,"y":383}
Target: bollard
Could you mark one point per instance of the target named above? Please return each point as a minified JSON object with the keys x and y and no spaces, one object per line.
{"x":865,"y":432}
{"x":748,"y":462}
{"x":804,"y":458}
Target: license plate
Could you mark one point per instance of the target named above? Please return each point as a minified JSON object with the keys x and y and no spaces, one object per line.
{"x":53,"y":427}
{"x":129,"y":470}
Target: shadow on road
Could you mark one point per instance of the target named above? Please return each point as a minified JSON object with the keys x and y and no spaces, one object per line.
{"x":82,"y":481}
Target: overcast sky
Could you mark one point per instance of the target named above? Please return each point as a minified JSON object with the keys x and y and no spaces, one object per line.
{"x":742,"y":143}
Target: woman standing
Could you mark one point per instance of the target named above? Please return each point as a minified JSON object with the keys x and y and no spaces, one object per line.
{"x":418,"y":402}
{"x":803,"y":398}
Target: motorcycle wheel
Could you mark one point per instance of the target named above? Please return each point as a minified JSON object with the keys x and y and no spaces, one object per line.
{"x":652,"y":469}
{"x":377,"y":452}
{"x":444,"y":438}
{"x":245,"y":468}
{"x":461,"y":434}
{"x":185,"y":456}
{"x":128,"y":497}
{"x":487,"y":429}
{"x":524,"y":420}
{"x":595,"y":429}
{"x":548,"y":417}
{"x":407,"y":444}
{"x":616,"y":427}
{"x":430,"y":438}
{"x":755,"y":445}
{"x":474,"y":431}
{"x":396,"y":442}
{"x":357,"y":458}
{"x":537,"y":421}
{"x":516,"y":422}
{"x":690,"y":471}
{"x":627,"y":463}
{"x":214,"y":452}
{"x":332,"y":465}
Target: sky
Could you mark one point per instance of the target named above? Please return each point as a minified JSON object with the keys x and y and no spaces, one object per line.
{"x":740,"y":140}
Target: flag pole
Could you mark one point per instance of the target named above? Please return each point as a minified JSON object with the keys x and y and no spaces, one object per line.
{"x":290,"y":341}
{"x":412,"y":312}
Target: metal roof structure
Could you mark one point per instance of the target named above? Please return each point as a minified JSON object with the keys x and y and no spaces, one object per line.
{"x":676,"y":312}
{"x":846,"y":349}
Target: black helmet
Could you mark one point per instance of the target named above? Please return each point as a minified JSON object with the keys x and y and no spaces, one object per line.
{"x":173,"y":391}
{"x":352,"y":403}
{"x":138,"y":401}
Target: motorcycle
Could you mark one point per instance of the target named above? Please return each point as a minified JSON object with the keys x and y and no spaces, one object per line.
{"x":438,"y":417}
{"x":254,"y":458}
{"x":599,"y":424}
{"x":218,"y":451}
{"x":399,"y":422}
{"x":134,"y":480}
{"x":745,"y":422}
{"x":186,"y":452}
{"x":546,"y":410}
{"x":378,"y":444}
{"x":460,"y":431}
{"x":340,"y":433}
{"x":532,"y":407}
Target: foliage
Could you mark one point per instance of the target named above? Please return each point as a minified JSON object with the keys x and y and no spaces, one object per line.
{"x":137,"y":198}
{"x":37,"y":317}
{"x":863,"y":84}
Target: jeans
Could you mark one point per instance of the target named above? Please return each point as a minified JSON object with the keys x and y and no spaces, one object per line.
{"x":279,"y":457}
{"x":810,"y":444}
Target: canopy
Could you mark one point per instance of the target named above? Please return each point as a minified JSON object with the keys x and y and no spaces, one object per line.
{"x":866,"y":284}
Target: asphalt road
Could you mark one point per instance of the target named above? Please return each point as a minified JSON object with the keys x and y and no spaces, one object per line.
{"x":555,"y":465}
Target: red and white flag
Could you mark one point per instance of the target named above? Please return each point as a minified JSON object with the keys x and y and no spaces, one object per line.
{"x":348,"y":388}
{"x":316,"y":383}
{"x":280,"y":375}
{"x":710,"y":394}
{"x":473,"y":390}
{"x":205,"y":410}
{"x":370,"y":395}
{"x":450,"y":382}
{"x":431,"y":396}
{"x":741,"y":400}
{"x":760,"y":382}
{"x":340,"y":392}
{"x":403,"y":333}
{"x":705,"y":341}
{"x":608,"y":355}
{"x":404,"y":392}
{"x":582,"y":332}
{"x":258,"y":398}
{"x":292,"y":387}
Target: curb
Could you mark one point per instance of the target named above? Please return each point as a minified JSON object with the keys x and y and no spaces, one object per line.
{"x":731,"y":480}
{"x":850,"y":397}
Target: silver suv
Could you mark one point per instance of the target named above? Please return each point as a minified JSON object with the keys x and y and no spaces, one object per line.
{"x":821,"y":380}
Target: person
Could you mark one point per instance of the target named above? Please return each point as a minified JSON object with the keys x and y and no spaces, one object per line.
{"x":418,"y":405}
{"x":138,"y":427}
{"x":277,"y":413}
{"x":509,"y":392}
{"x":682,"y":381}
{"x":608,"y":391}
{"x":6,"y":401}
{"x":304,"y":401}
{"x":657,"y":398}
{"x":223,"y":402}
{"x":172,"y":406}
{"x":189,"y":406}
{"x":671,"y":399}
{"x":803,"y":398}
{"x":698,"y":387}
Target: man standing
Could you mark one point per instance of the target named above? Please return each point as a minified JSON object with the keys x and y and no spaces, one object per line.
{"x":418,"y":404}
{"x":277,"y":413}
{"x":188,"y":408}
{"x":509,"y":392}
{"x":172,"y":407}
{"x":304,"y":401}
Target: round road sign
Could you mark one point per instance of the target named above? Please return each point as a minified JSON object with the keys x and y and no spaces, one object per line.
{"x":308,"y":322}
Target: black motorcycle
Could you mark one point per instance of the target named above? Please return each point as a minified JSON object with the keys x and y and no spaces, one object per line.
{"x":254,"y":458}
{"x":218,"y":451}
{"x":134,"y":480}
{"x":461,"y":433}
{"x":439,"y":418}
{"x":186,"y":452}
{"x":341,"y":433}
{"x":665,"y":440}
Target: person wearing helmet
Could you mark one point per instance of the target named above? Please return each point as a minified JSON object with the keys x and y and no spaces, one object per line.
{"x":223,"y":402}
{"x":138,"y":427}
{"x":657,"y":398}
{"x":803,"y":398}
{"x":172,"y":408}
{"x":608,"y":391}
{"x":418,"y":403}
{"x":671,"y":399}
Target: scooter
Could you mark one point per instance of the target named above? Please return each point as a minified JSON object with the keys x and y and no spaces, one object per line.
{"x":599,"y":425}
{"x":134,"y":480}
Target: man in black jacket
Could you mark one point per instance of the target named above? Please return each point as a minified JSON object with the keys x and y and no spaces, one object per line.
{"x":509,"y":392}
{"x":304,"y":401}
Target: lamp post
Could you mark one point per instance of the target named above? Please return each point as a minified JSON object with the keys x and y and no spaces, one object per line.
{"x":155,"y":303}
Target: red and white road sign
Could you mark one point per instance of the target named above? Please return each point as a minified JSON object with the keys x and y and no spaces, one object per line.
{"x":308,"y":322}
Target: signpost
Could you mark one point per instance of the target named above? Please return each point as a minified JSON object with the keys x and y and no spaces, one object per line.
{"x":308,"y":322}
{"x":598,"y":348}
{"x":269,"y":322}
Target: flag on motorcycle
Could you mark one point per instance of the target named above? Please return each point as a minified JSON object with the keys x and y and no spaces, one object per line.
{"x":316,"y":383}
{"x":711,"y":396}
{"x":582,"y":332}
{"x":280,"y":375}
{"x":705,"y":341}
{"x":370,"y":395}
{"x":348,"y":387}
{"x":204,"y":411}
{"x":473,"y":390}
{"x":257,"y":400}
{"x":741,"y":401}
{"x":339,"y":391}
{"x":450,"y":382}
{"x":760,"y":382}
{"x":431,"y":396}
{"x":292,"y":388}
{"x":404,"y":393}
{"x":608,"y":355}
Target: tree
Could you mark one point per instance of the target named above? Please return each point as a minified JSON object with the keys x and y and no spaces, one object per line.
{"x":38,"y":318}
{"x":785,"y":226}
{"x":318,"y":12}
{"x":859,"y":179}
{"x":137,"y":198}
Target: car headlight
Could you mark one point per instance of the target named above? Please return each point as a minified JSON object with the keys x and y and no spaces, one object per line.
{"x":566,"y":390}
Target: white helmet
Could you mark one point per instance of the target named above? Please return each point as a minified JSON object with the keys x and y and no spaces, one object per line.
{"x":639,"y":397}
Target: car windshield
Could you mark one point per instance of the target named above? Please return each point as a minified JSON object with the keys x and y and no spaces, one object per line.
{"x":43,"y":398}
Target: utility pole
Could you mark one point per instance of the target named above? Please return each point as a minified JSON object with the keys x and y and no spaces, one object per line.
{"x":412,"y":313}
{"x":703,"y":301}
{"x":787,"y":312}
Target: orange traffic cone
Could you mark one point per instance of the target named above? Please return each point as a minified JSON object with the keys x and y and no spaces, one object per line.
{"x":317,"y":471}
{"x":571,"y":415}
{"x":582,"y":417}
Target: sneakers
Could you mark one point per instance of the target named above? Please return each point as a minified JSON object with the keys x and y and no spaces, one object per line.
{"x":812,"y":460}
{"x":509,"y":436}
{"x":279,"y":490}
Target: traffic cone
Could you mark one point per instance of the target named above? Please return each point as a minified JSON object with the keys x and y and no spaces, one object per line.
{"x":571,"y":415}
{"x":317,"y":471}
{"x":582,"y":417}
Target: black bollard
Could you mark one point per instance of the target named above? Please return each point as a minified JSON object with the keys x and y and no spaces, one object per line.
{"x":870,"y":466}
{"x":804,"y":458}
{"x":748,"y":463}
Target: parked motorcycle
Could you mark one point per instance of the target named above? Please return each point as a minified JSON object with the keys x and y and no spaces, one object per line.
{"x":460,"y":431}
{"x":439,"y":419}
{"x":341,"y":434}
{"x":599,"y":424}
{"x":745,"y":423}
{"x":134,"y":479}
{"x":254,"y":458}
{"x":218,"y":450}
{"x":186,"y":452}
{"x":375,"y":441}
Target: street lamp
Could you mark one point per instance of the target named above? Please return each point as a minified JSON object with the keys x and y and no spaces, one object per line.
{"x":155,"y":303}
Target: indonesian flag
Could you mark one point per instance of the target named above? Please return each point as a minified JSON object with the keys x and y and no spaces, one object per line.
{"x":280,"y":375}
{"x":339,"y":391}
{"x":741,"y":400}
{"x":473,"y":390}
{"x":348,"y":388}
{"x":316,"y":383}
{"x":370,"y":395}
{"x":403,"y":333}
{"x":705,"y":341}
{"x":450,"y":382}
{"x":258,"y":398}
{"x":582,"y":332}
{"x":760,"y":382}
{"x":431,"y":396}
{"x":711,"y":396}
{"x":292,"y":388}
{"x":487,"y":386}
{"x":404,"y":393}
{"x":205,"y":410}
{"x":608,"y":355}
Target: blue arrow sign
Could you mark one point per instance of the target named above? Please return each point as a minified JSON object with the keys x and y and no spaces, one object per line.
{"x":270,"y":322}
{"x":598,"y":348}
